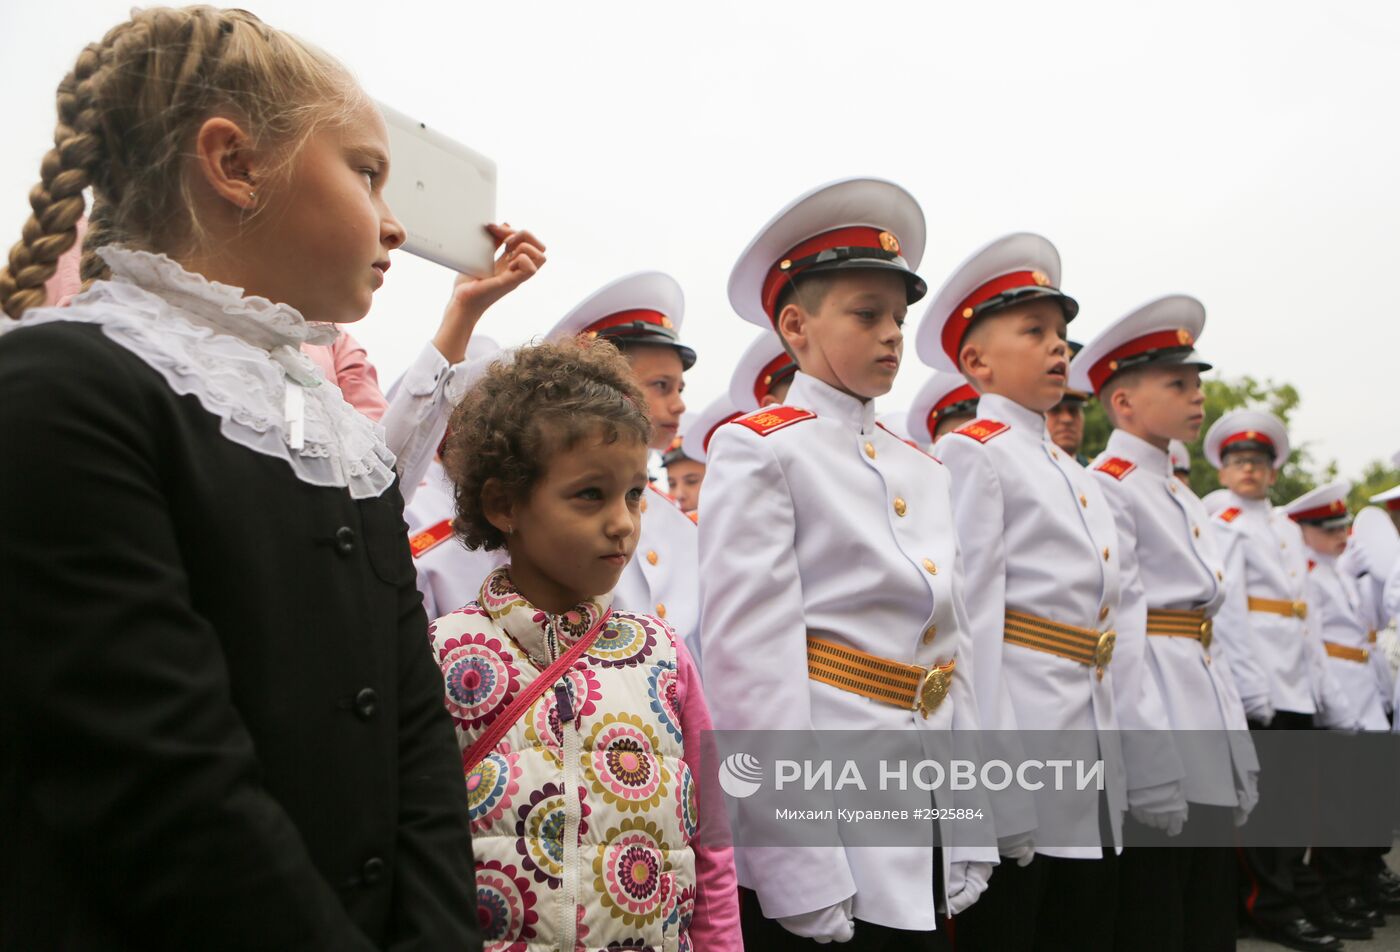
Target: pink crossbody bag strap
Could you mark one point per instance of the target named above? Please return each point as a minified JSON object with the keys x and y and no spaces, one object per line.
{"x":487,"y":742}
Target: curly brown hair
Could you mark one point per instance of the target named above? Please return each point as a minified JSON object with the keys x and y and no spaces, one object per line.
{"x":523,"y":411}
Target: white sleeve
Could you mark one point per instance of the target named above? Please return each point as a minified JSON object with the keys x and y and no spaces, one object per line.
{"x":1232,"y":628}
{"x":753,"y":638}
{"x":1150,"y":757}
{"x":980,"y":515}
{"x":1334,"y":708}
{"x":417,"y":415}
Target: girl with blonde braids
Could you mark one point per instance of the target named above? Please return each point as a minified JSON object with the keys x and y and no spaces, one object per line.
{"x":220,"y":723}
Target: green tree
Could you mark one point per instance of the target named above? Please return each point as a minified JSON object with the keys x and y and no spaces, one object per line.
{"x":1377,"y":477}
{"x":1300,"y":474}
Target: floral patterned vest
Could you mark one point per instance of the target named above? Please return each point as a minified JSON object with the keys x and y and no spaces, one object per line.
{"x":580,"y":829}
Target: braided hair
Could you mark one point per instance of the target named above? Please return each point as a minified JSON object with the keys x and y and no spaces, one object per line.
{"x":128,"y":113}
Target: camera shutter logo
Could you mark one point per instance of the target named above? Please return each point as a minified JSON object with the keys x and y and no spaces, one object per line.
{"x":740,"y":775}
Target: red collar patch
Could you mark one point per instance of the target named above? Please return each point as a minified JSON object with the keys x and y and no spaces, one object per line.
{"x":982,"y":430}
{"x":430,"y":538}
{"x":771,"y":419}
{"x":1229,"y":515}
{"x":1117,"y":467}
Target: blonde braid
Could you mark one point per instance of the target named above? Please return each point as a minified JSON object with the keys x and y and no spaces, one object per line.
{"x":127,"y":113}
{"x":57,"y":201}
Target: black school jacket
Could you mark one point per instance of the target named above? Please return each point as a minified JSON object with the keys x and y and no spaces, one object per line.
{"x":220,"y":724}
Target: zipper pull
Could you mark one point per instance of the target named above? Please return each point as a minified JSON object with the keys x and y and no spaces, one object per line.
{"x":566,"y":704}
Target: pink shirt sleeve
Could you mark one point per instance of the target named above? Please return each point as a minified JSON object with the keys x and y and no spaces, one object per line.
{"x":715,"y":925}
{"x":346,"y":363}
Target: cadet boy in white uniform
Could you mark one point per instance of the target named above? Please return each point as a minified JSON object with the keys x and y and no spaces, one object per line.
{"x":641,"y":314}
{"x":1146,"y":376}
{"x":830,"y":577}
{"x":1268,"y":629}
{"x":1041,"y":553}
{"x":1333,"y":601}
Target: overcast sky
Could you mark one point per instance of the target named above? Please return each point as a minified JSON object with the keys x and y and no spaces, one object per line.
{"x":1244,"y":153}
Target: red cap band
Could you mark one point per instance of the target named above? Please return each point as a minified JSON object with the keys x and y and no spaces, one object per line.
{"x":629,"y":317}
{"x":1246,"y":436}
{"x":1107,"y":365}
{"x":764,"y":384}
{"x":955,"y":327}
{"x":957,"y":395}
{"x":1330,"y":511}
{"x":857,"y":236}
{"x":1393,"y":504}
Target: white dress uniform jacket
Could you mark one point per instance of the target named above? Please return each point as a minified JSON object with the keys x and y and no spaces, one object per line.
{"x":835,"y":527}
{"x":1271,"y":656}
{"x":1370,"y":590}
{"x":1169,"y":560}
{"x":416,"y":418}
{"x":1032,"y":528}
{"x":1335,"y":602}
{"x":663,"y":577}
{"x":449,"y":574}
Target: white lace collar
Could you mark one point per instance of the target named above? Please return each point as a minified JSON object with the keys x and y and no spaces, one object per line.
{"x":241,"y":358}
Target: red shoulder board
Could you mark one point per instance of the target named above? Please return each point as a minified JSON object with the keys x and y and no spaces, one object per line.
{"x":910,"y":442}
{"x":430,"y":538}
{"x":982,"y":430}
{"x":694,"y":515}
{"x":772,"y":419}
{"x":1116,"y":466}
{"x":1230,"y":515}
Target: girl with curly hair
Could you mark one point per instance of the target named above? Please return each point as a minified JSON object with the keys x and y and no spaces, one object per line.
{"x":578,"y":721}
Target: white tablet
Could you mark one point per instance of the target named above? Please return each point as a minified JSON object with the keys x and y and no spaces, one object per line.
{"x":443,"y":193}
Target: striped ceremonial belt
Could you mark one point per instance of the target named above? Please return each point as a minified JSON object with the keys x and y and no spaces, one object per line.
{"x":906,"y":686}
{"x":1346,"y":652}
{"x":1180,"y":623}
{"x":1279,"y":606}
{"x":1087,"y":646}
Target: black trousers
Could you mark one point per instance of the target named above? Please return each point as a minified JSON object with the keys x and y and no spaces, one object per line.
{"x":1176,"y":898}
{"x":1049,"y":905}
{"x":765,"y":934}
{"x":1276,"y":885}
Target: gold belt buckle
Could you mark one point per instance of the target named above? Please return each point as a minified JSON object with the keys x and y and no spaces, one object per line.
{"x":1207,"y":633}
{"x":1103,"y":652}
{"x":934,"y":689}
{"x":1300,"y":609}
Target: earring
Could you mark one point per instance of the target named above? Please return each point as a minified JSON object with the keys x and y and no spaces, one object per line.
{"x":252,"y":195}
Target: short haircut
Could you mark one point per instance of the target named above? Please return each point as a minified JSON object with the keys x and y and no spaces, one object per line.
{"x":525,"y":410}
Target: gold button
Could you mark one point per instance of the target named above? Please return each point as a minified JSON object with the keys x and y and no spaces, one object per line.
{"x":1084,"y":501}
{"x":930,"y":633}
{"x":1171,"y":486}
{"x":652,"y":557}
{"x":1054,"y":455}
{"x":1196,"y":531}
{"x":1219,"y":575}
{"x":1105,"y":553}
{"x":870,"y":450}
{"x":660,"y":610}
{"x":929,"y":567}
{"x":644,"y":504}
{"x":900,"y":508}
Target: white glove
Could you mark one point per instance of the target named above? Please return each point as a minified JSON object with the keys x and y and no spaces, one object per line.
{"x":1020,"y":848}
{"x":1259,"y":710}
{"x":1248,"y":797}
{"x":1162,"y":807}
{"x":832,"y":924}
{"x":966,"y":882}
